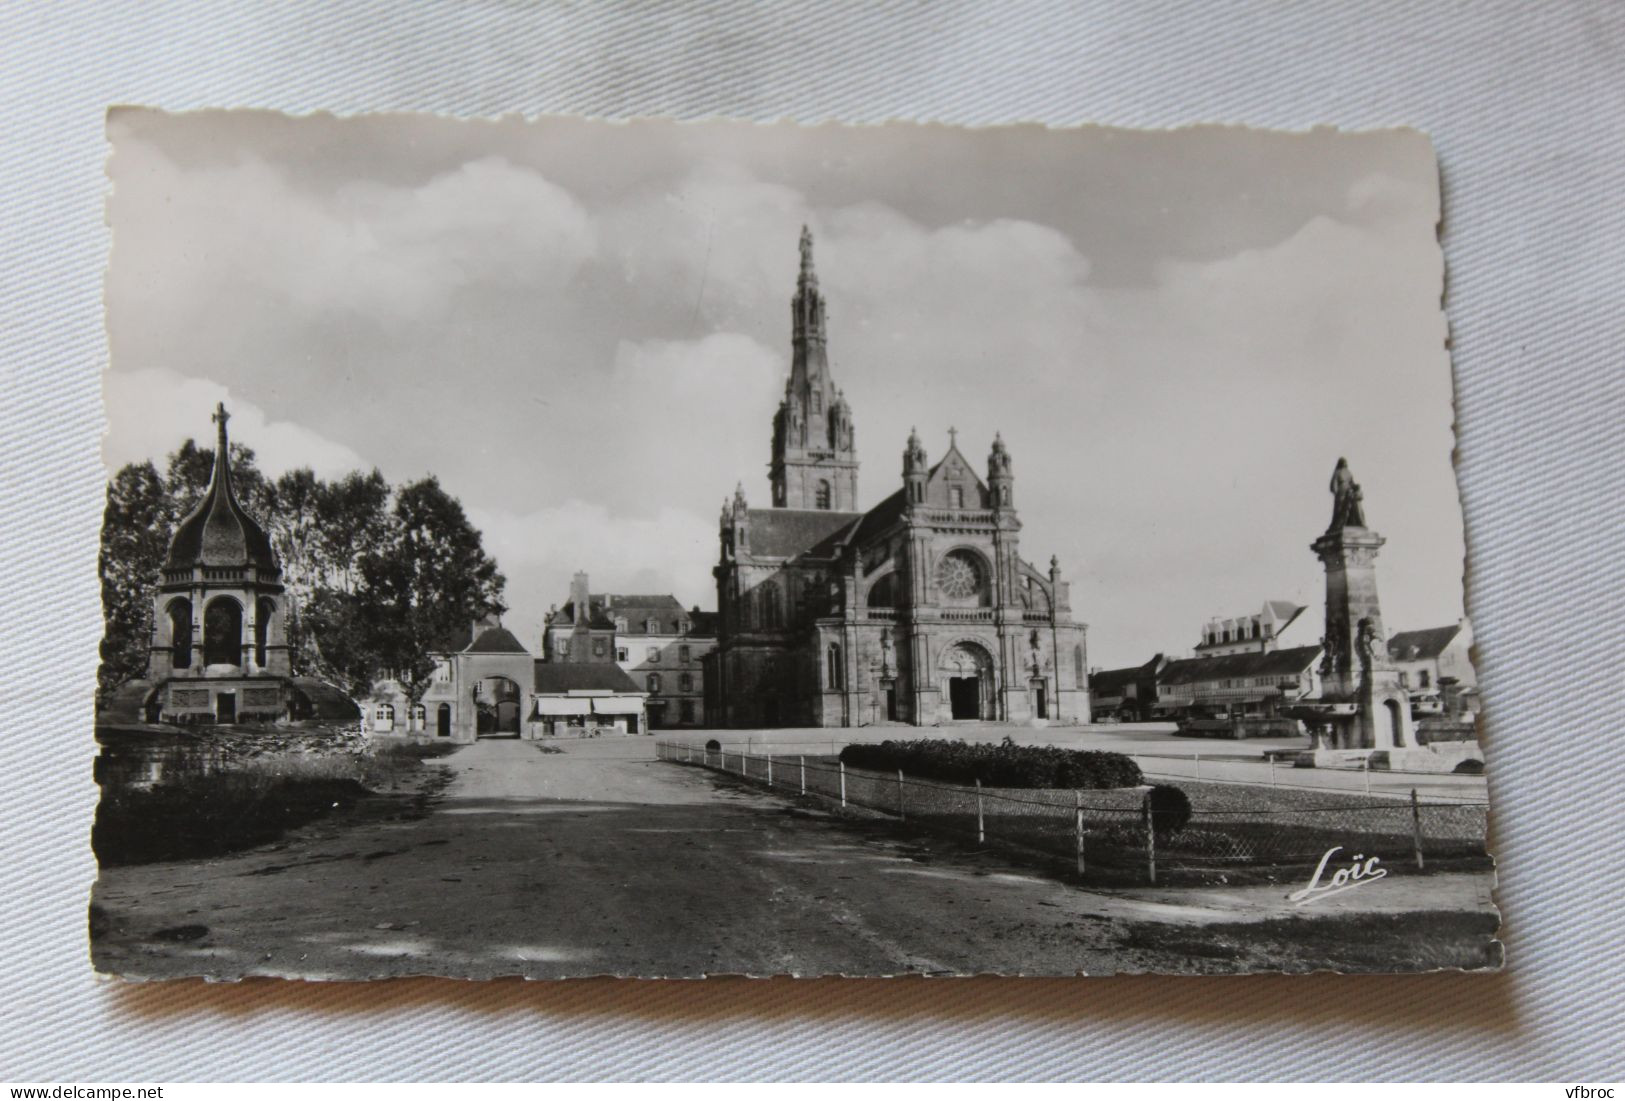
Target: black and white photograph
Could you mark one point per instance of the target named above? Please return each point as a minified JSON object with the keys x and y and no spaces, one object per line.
{"x":556,"y":548}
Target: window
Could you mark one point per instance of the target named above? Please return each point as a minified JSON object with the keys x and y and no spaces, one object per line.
{"x":1077,"y":664}
{"x":956,"y":496}
{"x":1422,"y":678}
{"x":685,"y":711}
{"x":564,"y":647}
{"x":651,"y":626}
{"x":818,"y":401}
{"x":653,"y":682}
{"x":622,"y":654}
{"x":682,"y":654}
{"x":836,"y":670}
{"x":597,"y":647}
{"x":821,"y":495}
{"x":654,"y":655}
{"x":685,"y":683}
{"x":1404,"y":679}
{"x":771,"y":610}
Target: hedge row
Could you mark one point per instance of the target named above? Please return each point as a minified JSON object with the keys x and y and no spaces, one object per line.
{"x":998,"y":766}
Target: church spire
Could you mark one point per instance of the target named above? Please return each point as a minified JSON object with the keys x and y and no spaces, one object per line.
{"x":808,"y":306}
{"x":814,"y":462}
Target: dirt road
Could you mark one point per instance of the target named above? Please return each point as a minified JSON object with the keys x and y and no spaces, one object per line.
{"x":595,"y":858}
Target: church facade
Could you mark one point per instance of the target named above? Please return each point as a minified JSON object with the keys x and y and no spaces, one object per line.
{"x":919,"y":611}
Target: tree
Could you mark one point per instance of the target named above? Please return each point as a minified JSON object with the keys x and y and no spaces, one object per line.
{"x":370,"y":587}
{"x":429,"y":578}
{"x":191,"y":467}
{"x":136,"y":525}
{"x":354,"y":518}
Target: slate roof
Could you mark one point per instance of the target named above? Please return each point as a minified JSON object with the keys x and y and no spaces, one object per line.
{"x":1276,"y":663}
{"x":1421,"y":645}
{"x":637,"y":609}
{"x":219,"y":531}
{"x":1113,"y":681}
{"x":496,"y":640}
{"x":556,"y":678}
{"x":786,"y":532}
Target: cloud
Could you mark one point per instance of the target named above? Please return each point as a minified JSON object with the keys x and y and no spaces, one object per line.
{"x":388,"y":253}
{"x":663,"y":550}
{"x":151,"y":412}
{"x":592,"y":370}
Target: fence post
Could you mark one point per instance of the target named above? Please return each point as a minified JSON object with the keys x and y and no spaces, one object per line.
{"x":843,"y":780}
{"x":981,"y":827}
{"x":1198,"y":759}
{"x":1150,"y":840}
{"x":1272,"y":770}
{"x":1368,"y":774}
{"x":803,"y":761}
{"x":770,"y":770}
{"x":722,"y":760}
{"x":1416,"y":829}
{"x":899,"y":795}
{"x":1077,"y":799}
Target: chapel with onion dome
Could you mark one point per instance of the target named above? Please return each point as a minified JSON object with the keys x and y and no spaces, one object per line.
{"x":219,"y":650}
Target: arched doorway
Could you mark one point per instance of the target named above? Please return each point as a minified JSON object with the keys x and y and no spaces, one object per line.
{"x":967,"y":678}
{"x":1396,"y":723}
{"x":180,"y":633}
{"x":442,"y":721}
{"x":497,"y":700}
{"x":223,"y":632}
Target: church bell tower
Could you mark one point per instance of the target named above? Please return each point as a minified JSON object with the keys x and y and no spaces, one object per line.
{"x":815,"y":463}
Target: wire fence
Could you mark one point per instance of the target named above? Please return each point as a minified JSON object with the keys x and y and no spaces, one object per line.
{"x":1130,"y":830}
{"x":1218,"y":766}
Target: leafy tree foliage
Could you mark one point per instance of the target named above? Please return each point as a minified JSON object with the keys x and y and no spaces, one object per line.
{"x":375,"y":578}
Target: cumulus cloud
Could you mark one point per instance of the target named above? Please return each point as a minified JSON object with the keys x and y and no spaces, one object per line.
{"x":662,"y":550}
{"x":151,"y":412}
{"x":391,"y":254}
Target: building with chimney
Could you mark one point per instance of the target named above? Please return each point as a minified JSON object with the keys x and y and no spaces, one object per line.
{"x":920,"y":610}
{"x":658,"y":643}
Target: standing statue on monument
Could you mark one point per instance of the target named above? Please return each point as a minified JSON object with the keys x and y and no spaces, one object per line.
{"x":1348,"y":510}
{"x":1368,"y":644}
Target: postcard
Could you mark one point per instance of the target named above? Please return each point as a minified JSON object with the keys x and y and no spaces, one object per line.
{"x":555,"y":547}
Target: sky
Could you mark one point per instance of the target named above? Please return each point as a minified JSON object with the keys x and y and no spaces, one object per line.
{"x":583,"y":329}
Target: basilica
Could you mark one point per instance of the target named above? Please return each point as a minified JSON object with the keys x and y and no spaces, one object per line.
{"x":919,"y":611}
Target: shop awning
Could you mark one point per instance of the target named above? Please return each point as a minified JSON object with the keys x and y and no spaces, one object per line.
{"x":559,"y":705}
{"x":617,"y":705}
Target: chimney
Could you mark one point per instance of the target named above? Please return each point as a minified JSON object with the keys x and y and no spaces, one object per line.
{"x":579,"y":595}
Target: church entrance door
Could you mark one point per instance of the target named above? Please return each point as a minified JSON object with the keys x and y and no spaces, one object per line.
{"x":225,"y":707}
{"x":1040,"y":699}
{"x":442,"y":721}
{"x":965,"y":697}
{"x":967,"y":669}
{"x":891,"y":701}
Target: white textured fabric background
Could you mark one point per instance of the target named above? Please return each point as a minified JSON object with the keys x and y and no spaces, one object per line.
{"x":1524,"y":104}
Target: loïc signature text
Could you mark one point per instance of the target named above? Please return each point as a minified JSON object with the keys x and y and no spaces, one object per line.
{"x":1362,"y":869}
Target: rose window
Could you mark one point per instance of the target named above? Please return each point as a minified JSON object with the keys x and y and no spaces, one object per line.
{"x":958,"y":577}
